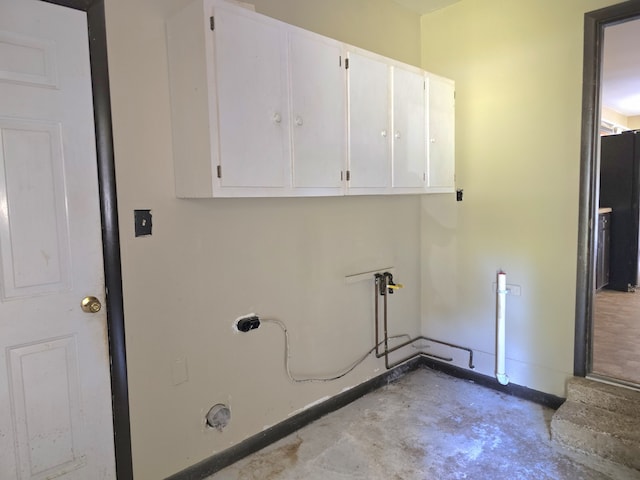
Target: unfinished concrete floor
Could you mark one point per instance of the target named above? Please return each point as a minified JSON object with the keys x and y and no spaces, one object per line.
{"x":427,"y":425}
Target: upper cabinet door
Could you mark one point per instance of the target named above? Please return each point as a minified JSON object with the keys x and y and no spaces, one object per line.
{"x":441,"y":171}
{"x":369,"y":125}
{"x":318,"y":113}
{"x":253,"y":118}
{"x":409,"y":130}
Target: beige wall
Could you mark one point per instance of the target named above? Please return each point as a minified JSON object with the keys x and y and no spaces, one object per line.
{"x":380,"y":26}
{"x":634,"y":122}
{"x":211,"y":261}
{"x":612,"y":116}
{"x":518,"y":72}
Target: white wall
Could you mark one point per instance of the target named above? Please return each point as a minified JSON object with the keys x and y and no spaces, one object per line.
{"x":210,"y":261}
{"x":518,"y":72}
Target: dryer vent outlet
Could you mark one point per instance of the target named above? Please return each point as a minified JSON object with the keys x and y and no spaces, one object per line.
{"x":218,"y":416}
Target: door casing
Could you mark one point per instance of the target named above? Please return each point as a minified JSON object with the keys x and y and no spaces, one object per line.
{"x":594,"y":25}
{"x":110,"y":233}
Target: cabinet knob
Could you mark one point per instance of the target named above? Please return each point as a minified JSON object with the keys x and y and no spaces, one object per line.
{"x":432,"y":140}
{"x":383,"y":133}
{"x":277,"y":118}
{"x":299,"y":121}
{"x":397,"y":135}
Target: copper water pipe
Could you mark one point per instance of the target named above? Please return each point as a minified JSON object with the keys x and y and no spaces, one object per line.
{"x":382,"y":289}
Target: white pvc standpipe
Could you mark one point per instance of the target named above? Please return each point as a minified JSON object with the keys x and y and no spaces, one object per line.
{"x":501,"y":376}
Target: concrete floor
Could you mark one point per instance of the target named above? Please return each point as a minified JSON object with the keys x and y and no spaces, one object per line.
{"x":427,"y":425}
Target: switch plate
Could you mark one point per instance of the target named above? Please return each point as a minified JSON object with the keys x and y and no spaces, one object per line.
{"x":180,"y":371}
{"x":142,"y":222}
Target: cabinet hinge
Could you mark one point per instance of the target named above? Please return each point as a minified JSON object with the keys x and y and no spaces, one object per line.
{"x":219,"y":171}
{"x":212,"y":23}
{"x":340,"y":61}
{"x":348,"y":175}
{"x":346,"y":63}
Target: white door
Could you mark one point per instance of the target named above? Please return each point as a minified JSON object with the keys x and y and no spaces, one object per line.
{"x":55,"y":399}
{"x":369,"y":125}
{"x":319,"y":113}
{"x":409,"y":131}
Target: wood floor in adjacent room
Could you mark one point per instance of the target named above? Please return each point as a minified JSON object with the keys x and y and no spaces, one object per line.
{"x":616,"y":335}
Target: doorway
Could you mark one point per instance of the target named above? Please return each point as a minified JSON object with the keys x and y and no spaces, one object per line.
{"x":588,"y":305}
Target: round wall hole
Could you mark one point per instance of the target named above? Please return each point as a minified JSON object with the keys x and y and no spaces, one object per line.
{"x":218,"y":416}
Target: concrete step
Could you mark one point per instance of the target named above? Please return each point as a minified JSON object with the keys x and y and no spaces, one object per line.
{"x":608,"y":397}
{"x":598,"y":431}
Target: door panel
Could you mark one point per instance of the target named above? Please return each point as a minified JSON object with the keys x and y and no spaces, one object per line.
{"x":441,"y":145}
{"x":252,"y":103}
{"x":369,"y":125}
{"x":27,"y":59}
{"x":54,"y":366}
{"x":319,"y":123}
{"x":34,"y":247}
{"x":45,"y":395}
{"x":409,"y":129}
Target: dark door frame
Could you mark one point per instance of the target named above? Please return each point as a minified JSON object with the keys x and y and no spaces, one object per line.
{"x":110,"y":233}
{"x":594,"y":25}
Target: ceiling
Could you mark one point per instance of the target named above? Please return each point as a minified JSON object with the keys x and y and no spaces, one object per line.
{"x":621,"y":68}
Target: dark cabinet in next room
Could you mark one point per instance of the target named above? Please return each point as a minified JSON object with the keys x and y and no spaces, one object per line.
{"x":620,"y":191}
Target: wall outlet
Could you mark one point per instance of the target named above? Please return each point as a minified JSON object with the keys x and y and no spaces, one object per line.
{"x":248,"y":323}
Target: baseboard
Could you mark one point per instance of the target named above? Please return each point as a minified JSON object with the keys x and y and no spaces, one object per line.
{"x":541,"y":398}
{"x":257,"y":442}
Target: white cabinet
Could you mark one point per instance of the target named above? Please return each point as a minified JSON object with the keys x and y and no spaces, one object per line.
{"x":229,"y":104}
{"x":318,"y":113}
{"x":441,"y":135}
{"x":251,"y":94}
{"x":258,"y":106}
{"x":409,"y":131}
{"x":369,"y":125}
{"x":261,"y":108}
{"x":387,"y":126}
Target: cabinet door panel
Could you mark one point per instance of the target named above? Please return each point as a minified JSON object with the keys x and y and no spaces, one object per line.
{"x":319,"y":116}
{"x":369,"y":143}
{"x":409,"y":129}
{"x":252,"y":105}
{"x":441,"y":133}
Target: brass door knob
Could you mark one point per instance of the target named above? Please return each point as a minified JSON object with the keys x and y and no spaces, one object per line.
{"x":91,"y":305}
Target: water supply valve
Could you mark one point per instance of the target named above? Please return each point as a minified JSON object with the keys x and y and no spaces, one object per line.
{"x":386,"y":284}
